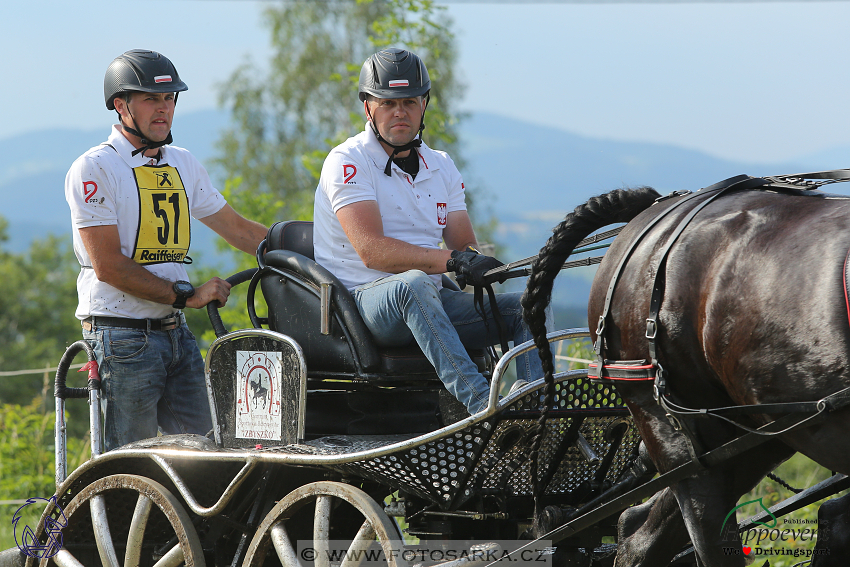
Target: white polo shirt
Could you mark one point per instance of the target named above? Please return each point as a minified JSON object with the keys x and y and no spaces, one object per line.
{"x":412,"y":210}
{"x":151,"y":202}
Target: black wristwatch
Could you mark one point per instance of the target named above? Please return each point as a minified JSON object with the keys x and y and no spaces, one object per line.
{"x":184,"y":291}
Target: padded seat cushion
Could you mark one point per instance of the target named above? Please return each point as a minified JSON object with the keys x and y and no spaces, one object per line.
{"x":400,"y":361}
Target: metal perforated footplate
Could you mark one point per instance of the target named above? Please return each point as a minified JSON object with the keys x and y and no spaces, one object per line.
{"x":436,"y":471}
{"x":493,"y":455}
{"x":340,"y":444}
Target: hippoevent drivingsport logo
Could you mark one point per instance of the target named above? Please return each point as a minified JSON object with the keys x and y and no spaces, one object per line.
{"x":770,"y":538}
{"x":53,"y":524}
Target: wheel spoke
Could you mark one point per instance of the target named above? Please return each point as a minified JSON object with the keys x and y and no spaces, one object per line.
{"x":102,"y":535}
{"x":285,"y":552}
{"x":321,"y":498}
{"x":357,"y":550}
{"x":65,"y":559}
{"x":115,"y":492}
{"x":321,"y":530}
{"x":173,"y":558}
{"x":137,"y":531}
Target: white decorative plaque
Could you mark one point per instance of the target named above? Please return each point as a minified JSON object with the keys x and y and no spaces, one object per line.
{"x":258,"y":377}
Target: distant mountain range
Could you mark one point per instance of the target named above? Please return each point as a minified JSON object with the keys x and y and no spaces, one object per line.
{"x":529,"y":177}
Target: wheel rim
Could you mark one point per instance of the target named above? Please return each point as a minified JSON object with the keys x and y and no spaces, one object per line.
{"x":272,"y":533}
{"x":120,"y":537}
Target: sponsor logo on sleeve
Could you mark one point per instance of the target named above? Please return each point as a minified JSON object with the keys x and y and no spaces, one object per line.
{"x":348,"y":173}
{"x":89,"y":189}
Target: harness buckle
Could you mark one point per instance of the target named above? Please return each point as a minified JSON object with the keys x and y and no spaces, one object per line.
{"x":651,"y":329}
{"x":672,"y":195}
{"x":600,"y":327}
{"x":659,"y":387}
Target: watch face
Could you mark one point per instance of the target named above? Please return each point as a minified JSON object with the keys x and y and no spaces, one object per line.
{"x":184,"y":288}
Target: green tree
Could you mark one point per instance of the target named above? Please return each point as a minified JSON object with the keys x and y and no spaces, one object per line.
{"x":285,"y":121}
{"x":37,"y":306}
{"x":27,"y":462}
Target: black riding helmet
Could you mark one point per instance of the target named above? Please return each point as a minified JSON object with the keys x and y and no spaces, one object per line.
{"x":395,"y":73}
{"x":140,"y":70}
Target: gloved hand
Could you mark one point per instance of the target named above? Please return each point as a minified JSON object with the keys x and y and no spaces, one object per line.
{"x":470,"y":266}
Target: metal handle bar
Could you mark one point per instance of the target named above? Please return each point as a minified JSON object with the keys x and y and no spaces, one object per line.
{"x":59,"y":388}
{"x":62,"y":392}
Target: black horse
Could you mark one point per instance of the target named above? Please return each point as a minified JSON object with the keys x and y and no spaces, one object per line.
{"x":258,"y":391}
{"x":753,"y":312}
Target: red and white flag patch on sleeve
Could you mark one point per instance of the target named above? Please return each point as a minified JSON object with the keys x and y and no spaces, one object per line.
{"x":442,"y":215}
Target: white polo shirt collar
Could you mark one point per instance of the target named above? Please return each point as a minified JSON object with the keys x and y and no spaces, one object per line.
{"x":379,"y":156}
{"x":125,"y":149}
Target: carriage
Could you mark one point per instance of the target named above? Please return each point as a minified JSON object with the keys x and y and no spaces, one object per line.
{"x":329,"y":450}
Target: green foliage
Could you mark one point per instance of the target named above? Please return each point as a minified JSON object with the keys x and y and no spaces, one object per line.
{"x":572,"y":355}
{"x":27,"y":461}
{"x":286,"y":120}
{"x":282,"y":116}
{"x":37,"y":307}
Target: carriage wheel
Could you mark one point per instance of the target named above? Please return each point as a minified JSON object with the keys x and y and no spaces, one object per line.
{"x":130,"y":515}
{"x":338,"y":513}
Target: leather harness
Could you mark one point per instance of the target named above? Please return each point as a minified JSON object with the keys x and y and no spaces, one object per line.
{"x":614,"y":371}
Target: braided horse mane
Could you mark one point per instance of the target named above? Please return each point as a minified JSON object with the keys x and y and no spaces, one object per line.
{"x":617,"y":206}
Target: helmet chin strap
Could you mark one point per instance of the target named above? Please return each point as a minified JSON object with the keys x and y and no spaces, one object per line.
{"x":146,"y":144}
{"x":397,"y":149}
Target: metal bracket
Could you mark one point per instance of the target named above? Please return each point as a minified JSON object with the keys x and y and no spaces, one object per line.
{"x":325,"y":307}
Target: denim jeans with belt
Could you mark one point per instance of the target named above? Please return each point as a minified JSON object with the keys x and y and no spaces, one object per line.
{"x":150,"y":379}
{"x":407,"y":307}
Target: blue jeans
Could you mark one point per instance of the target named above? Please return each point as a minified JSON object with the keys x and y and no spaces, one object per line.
{"x":407,"y":307}
{"x":149,"y":379}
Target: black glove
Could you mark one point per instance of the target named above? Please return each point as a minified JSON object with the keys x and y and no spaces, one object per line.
{"x":470,"y":266}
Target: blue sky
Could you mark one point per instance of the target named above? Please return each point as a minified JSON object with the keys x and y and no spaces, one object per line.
{"x":747,"y":81}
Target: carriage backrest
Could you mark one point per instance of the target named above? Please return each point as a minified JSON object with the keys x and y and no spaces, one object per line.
{"x":295,"y":236}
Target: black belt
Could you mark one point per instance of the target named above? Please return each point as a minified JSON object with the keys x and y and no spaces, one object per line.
{"x":166,"y":324}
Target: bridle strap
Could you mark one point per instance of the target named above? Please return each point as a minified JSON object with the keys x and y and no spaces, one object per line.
{"x":659,"y":281}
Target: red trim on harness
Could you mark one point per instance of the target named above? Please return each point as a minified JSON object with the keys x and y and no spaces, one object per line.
{"x":640,"y":373}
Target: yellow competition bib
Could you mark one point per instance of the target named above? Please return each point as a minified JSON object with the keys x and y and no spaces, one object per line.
{"x":164,"y":232}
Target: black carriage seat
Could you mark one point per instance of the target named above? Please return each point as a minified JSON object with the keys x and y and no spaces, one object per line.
{"x":345,"y":347}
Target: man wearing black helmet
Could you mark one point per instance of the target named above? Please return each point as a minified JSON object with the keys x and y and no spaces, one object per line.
{"x":131,"y":199}
{"x":384,"y":203}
